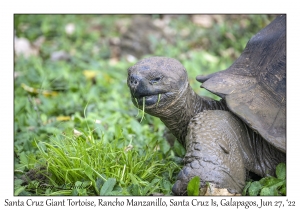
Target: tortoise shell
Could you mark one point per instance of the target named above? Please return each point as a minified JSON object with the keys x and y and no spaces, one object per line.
{"x":254,"y":86}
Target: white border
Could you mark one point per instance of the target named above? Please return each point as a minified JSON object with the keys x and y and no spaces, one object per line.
{"x":8,"y":8}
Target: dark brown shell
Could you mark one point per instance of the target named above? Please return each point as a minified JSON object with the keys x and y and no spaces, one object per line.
{"x":254,"y":86}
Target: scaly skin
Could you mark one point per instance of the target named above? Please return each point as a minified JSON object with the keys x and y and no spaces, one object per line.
{"x":220,"y":148}
{"x":221,"y":151}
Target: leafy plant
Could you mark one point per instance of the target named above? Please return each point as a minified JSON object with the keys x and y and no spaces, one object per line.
{"x":193,"y":186}
{"x":268,"y":185}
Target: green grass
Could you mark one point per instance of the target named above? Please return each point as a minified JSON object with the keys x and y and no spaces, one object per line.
{"x":117,"y":152}
{"x":93,"y":161}
{"x":81,"y":159}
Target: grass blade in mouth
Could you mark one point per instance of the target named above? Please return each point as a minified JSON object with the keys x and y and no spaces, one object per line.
{"x":158,"y":100}
{"x":143,"y":112}
{"x":136,"y":101}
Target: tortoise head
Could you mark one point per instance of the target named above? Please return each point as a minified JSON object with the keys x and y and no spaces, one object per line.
{"x":156,"y":82}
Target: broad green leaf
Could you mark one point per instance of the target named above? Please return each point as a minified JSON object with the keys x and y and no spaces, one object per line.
{"x":281,"y":171}
{"x":118,"y":131}
{"x":283,"y":190}
{"x":115,"y":193}
{"x":265,"y":191}
{"x":150,"y":187}
{"x":19,"y":190}
{"x":133,"y":178}
{"x":18,"y":182}
{"x":80,"y":189}
{"x":166,"y":184}
{"x":99,"y":183}
{"x":273,"y":191}
{"x":136,"y":127}
{"x":269,"y":181}
{"x":179,"y":149}
{"x":164,"y":146}
{"x":134,"y":189}
{"x":89,"y":172}
{"x":193,"y":186}
{"x":108,"y":186}
{"x":254,"y":188}
{"x":82,"y":192}
{"x":74,"y":192}
{"x":246,"y":188}
{"x":146,"y":189}
{"x":274,"y":188}
{"x":23,"y":158}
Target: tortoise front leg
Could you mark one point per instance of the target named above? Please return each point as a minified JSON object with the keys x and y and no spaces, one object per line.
{"x":214,"y":154}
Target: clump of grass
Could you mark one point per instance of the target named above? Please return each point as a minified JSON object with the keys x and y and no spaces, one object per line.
{"x":117,"y":168}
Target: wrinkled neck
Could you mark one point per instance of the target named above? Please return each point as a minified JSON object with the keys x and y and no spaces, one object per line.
{"x":178,"y":115}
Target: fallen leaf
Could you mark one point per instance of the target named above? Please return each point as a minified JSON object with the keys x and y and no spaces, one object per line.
{"x":38,"y":91}
{"x":90,"y":74}
{"x":63,"y":118}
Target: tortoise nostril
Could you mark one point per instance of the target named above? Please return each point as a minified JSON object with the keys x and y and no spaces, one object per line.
{"x":134,"y":80}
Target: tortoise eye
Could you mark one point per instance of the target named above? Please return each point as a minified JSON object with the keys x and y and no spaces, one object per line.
{"x":155,"y":80}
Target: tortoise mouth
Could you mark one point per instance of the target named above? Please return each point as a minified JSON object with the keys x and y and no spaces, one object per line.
{"x":147,"y":100}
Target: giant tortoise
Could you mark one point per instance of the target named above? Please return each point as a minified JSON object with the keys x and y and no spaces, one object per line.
{"x":225,"y":140}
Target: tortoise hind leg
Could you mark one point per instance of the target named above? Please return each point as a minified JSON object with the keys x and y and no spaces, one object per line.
{"x":214,"y":154}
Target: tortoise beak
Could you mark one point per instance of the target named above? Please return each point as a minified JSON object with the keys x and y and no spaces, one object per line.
{"x":138,"y":86}
{"x":141,"y":90}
